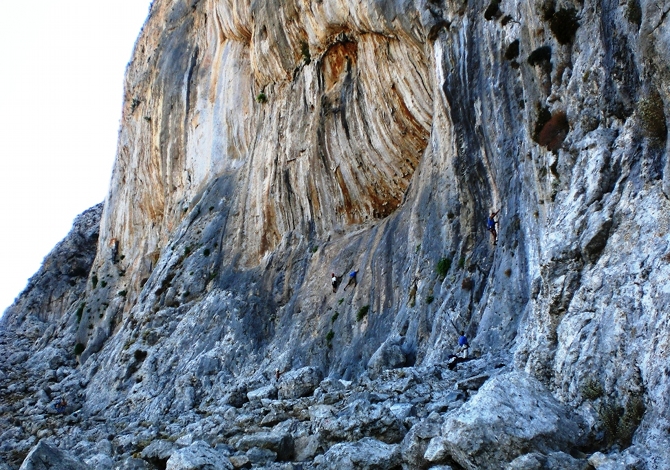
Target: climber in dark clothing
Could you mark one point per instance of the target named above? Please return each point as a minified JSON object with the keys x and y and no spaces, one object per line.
{"x":334,"y":282}
{"x":352,"y":279}
{"x":463,"y":345}
{"x":491,"y":226}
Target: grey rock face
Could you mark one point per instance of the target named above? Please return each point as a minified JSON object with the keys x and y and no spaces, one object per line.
{"x":366,"y":454}
{"x":299,"y":383}
{"x":510,"y":413}
{"x":266,"y":146}
{"x":45,"y":456}
{"x":198,"y":456}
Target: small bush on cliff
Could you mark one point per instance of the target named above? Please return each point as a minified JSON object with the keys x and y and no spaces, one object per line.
{"x":493,"y":10}
{"x":652,"y":116}
{"x":634,"y":12}
{"x":443,"y":266}
{"x":330,"y":335}
{"x":304,"y":50}
{"x":78,"y":349}
{"x":80,"y":311}
{"x":620,"y":422}
{"x":564,"y":25}
{"x":362,"y":312}
{"x":592,"y":390}
{"x":334,"y":317}
{"x":261,"y":98}
{"x":94,"y":281}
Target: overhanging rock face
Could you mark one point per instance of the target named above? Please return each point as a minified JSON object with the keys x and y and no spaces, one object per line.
{"x":266,"y":146}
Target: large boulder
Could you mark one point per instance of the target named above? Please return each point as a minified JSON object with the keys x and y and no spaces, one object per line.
{"x":513,"y":414}
{"x":362,"y":419}
{"x":280,"y":443}
{"x":366,"y":454}
{"x":45,"y":456}
{"x":198,"y":456}
{"x":388,"y":356}
{"x":299,"y":383}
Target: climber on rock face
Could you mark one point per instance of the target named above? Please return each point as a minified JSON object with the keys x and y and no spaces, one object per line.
{"x":491,"y":226}
{"x":333,"y":282}
{"x":463,"y":345}
{"x":60,"y":406}
{"x":352,"y":279}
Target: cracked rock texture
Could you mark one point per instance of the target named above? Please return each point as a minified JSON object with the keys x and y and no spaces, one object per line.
{"x":190,"y":322}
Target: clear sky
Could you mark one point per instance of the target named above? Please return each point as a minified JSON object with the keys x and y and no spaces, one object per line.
{"x":61,"y":86}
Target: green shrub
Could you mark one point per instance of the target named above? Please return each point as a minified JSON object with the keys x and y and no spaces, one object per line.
{"x":362,"y":312}
{"x":330,"y":335}
{"x":80,"y":311}
{"x":78,"y":349}
{"x":123,"y":293}
{"x":429,"y":299}
{"x":461,"y":262}
{"x":652,"y":116}
{"x":592,"y":390}
{"x":634,"y":12}
{"x":334,"y":317}
{"x":339,"y":302}
{"x":304,"y":50}
{"x":103,"y":283}
{"x":94,"y":281}
{"x":442,"y":267}
{"x":261,"y":98}
{"x":205,"y":252}
{"x":619,"y":422}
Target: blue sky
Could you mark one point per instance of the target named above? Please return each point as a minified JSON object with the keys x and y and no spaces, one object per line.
{"x":61,"y":88}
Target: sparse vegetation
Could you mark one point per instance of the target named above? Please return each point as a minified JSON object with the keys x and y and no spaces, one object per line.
{"x":330,"y":335}
{"x":592,"y":390}
{"x":564,"y":25}
{"x":339,"y":302}
{"x":80,"y":311}
{"x":652,"y":116}
{"x":508,"y":272}
{"x":362,"y":312}
{"x":429,"y":299}
{"x":620,"y":422}
{"x":103,"y":283}
{"x":261,"y":98}
{"x":634,"y":12}
{"x":94,"y":281}
{"x":461,"y":262}
{"x":211,"y":208}
{"x":205,"y":252}
{"x":139,"y":355}
{"x":314,"y":249}
{"x":123,"y":293}
{"x":134,"y":104}
{"x":304,"y":50}
{"x":442,"y":267}
{"x":78,"y":349}
{"x":334,"y":317}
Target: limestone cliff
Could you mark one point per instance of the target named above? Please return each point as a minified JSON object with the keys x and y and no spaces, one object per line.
{"x":265,"y":145}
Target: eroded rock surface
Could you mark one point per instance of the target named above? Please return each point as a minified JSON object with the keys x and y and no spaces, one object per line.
{"x":266,"y":146}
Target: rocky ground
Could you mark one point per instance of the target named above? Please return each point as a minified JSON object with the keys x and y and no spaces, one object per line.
{"x":407,"y":417}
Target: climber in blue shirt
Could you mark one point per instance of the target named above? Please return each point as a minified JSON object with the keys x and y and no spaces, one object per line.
{"x":491,"y":226}
{"x":463,"y":345}
{"x":352,"y":279}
